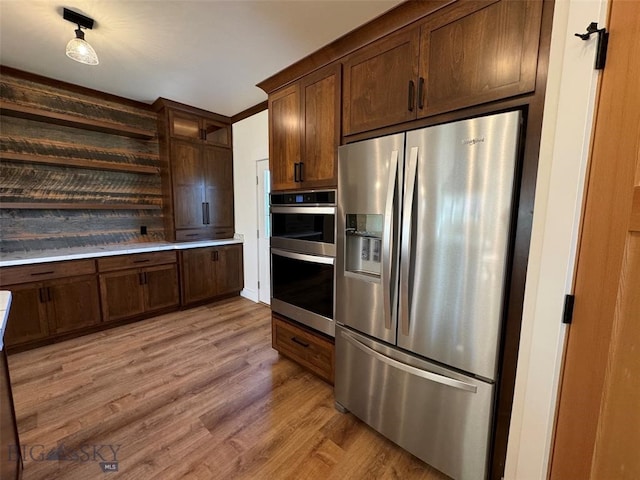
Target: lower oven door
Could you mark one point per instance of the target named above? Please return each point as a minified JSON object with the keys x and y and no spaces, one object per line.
{"x":302,"y":288}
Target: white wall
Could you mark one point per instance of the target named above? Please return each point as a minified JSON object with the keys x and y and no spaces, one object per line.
{"x":250,"y":144}
{"x":564,"y":152}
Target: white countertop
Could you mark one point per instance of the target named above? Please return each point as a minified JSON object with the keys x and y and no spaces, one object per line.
{"x":5,"y":304}
{"x":42,"y":256}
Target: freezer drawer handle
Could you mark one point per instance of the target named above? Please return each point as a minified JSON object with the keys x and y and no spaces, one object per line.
{"x":434,"y":377}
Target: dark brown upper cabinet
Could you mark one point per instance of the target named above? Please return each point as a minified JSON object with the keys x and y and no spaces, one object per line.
{"x":185,"y":126}
{"x":470,"y":53}
{"x":197,"y":172}
{"x":380,"y":82}
{"x":304,"y":131}
{"x":487,"y":53}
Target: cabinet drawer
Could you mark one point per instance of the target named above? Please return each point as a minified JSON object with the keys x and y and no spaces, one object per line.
{"x":46,"y":271}
{"x":121,"y":262}
{"x":203,"y":234}
{"x":193,"y":235}
{"x":304,"y":347}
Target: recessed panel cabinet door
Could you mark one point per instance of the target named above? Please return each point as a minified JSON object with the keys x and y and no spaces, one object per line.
{"x":73,"y":303}
{"x":229,"y":276}
{"x":218,"y":179}
{"x":284,"y":137}
{"x":484,"y":51}
{"x":122,"y":294}
{"x":28,"y":314}
{"x":188,"y":188}
{"x":321,"y":97}
{"x":198,"y":274}
{"x":161,"y":287}
{"x":380,"y":83}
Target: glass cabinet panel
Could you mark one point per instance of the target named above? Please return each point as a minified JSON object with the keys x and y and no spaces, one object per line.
{"x":184,"y":126}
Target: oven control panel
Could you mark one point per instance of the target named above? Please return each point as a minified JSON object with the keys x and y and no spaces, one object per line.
{"x":318,"y":197}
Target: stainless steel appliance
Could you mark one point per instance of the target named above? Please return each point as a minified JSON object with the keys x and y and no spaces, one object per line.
{"x":303,"y":250}
{"x":304,"y":221}
{"x":423,"y":240}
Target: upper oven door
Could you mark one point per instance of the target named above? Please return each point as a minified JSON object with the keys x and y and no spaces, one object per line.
{"x":304,"y":229}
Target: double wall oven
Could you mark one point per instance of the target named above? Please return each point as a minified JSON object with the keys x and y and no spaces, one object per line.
{"x":303,"y":250}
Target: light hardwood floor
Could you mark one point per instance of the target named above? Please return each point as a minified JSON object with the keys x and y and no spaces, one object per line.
{"x":194,"y":394}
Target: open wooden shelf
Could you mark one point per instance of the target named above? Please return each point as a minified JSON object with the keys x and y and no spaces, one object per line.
{"x":78,"y":162}
{"x":42,"y":115}
{"x":77,"y":206}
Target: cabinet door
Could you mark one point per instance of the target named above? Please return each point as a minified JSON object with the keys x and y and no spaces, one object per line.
{"x":284,"y":137}
{"x":28,"y":314}
{"x":185,"y":126}
{"x":487,"y":52}
{"x":321,"y":124}
{"x":122,"y":294}
{"x":73,"y":303}
{"x":161,"y":287}
{"x":216,"y":133}
{"x":218,"y":180}
{"x":188,"y":185}
{"x":229,"y":274}
{"x":379,"y":86}
{"x":198,"y":275}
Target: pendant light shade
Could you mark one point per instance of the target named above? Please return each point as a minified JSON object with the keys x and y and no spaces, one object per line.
{"x":80,"y":51}
{"x":77,"y":48}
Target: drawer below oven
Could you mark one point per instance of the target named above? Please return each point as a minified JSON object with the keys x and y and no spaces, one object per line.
{"x":304,"y":347}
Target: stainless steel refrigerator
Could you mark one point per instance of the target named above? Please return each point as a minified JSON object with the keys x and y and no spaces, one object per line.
{"x":423,"y":236}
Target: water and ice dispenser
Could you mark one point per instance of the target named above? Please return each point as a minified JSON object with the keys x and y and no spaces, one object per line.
{"x":363,"y":244}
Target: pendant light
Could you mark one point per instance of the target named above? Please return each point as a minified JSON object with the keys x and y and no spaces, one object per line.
{"x":78,"y":49}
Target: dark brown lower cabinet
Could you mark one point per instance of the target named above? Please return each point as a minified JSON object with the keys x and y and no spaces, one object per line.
{"x":310,"y":349}
{"x":122,"y":294}
{"x":210,"y":272}
{"x":28,"y":316}
{"x":162,"y":289}
{"x":73,"y":303}
{"x":134,"y":292}
{"x":58,"y":300}
{"x":48,"y":308}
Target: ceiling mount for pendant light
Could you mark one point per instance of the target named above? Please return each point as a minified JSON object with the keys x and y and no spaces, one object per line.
{"x":78,"y":49}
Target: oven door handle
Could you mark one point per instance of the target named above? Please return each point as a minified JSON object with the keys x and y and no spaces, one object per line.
{"x":304,"y":257}
{"x":309,"y":210}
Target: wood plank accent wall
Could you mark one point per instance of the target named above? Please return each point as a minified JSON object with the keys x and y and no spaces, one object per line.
{"x":77,"y":169}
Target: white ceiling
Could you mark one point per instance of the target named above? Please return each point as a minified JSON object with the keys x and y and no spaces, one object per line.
{"x":206,"y":53}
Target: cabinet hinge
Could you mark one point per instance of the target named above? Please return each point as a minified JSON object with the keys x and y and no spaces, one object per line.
{"x":258,"y":233}
{"x":567,"y":316}
{"x":258,"y":284}
{"x":257,"y":181}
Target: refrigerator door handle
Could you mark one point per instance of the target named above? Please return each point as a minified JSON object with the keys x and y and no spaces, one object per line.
{"x":387,"y":241}
{"x":434,"y":377}
{"x":405,"y":254}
